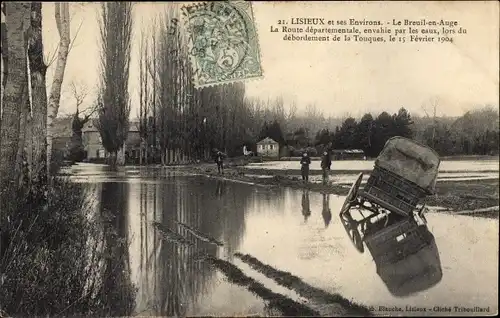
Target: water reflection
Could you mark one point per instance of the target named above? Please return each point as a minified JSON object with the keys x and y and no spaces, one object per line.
{"x":219,"y":188}
{"x":306,"y":206}
{"x":326,"y":212}
{"x":403,"y":249}
{"x":173,"y":279}
{"x":117,"y":286}
{"x":414,"y":273}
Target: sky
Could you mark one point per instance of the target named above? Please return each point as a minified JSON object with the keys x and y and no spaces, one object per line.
{"x":338,"y":78}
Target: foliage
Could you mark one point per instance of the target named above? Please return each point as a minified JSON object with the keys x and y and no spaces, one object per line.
{"x":273,"y":131}
{"x":179,"y":117}
{"x":113,"y":102}
{"x":475,"y":132}
{"x":53,"y":259}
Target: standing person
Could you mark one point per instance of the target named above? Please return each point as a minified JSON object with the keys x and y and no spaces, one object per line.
{"x":219,"y":159}
{"x":305,"y":162}
{"x":326,"y":163}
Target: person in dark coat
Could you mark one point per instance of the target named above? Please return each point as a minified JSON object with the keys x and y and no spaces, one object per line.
{"x":326,"y":163}
{"x":219,"y":160}
{"x":305,"y":162}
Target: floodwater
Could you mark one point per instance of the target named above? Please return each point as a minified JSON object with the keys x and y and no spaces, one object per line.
{"x":445,"y":166}
{"x":349,"y":178}
{"x":291,"y":230}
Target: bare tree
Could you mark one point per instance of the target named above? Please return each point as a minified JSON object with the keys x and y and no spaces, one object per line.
{"x":76,"y":147}
{"x":80,"y":92}
{"x":152,"y":67}
{"x":434,"y":101}
{"x":63,"y":27}
{"x":16,"y":92}
{"x":38,"y":70}
{"x":115,"y":28}
{"x":3,"y":46}
{"x":142,"y":107}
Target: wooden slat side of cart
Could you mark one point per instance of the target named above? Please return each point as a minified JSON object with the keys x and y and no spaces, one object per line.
{"x":404,"y":173}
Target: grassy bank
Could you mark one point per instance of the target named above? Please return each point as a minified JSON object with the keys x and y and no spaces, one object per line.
{"x":57,"y":258}
{"x":465,"y":195}
{"x":450,"y":195}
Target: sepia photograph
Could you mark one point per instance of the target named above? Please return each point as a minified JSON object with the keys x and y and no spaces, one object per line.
{"x":249,"y":158}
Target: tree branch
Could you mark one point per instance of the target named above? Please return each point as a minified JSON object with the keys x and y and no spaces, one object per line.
{"x":74,"y":38}
{"x":53,"y":58}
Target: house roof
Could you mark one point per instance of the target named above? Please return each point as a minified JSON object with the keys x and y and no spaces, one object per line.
{"x":89,"y":126}
{"x":266,"y":141}
{"x":133,"y":126}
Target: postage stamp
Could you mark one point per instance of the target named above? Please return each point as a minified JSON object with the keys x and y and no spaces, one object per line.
{"x":222,"y":42}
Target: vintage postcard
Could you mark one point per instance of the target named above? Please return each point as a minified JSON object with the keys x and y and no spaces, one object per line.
{"x":249,"y":158}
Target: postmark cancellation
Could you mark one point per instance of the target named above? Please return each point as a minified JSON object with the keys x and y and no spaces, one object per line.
{"x":222,"y":42}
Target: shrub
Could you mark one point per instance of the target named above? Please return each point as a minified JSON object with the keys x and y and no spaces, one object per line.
{"x":55,"y":259}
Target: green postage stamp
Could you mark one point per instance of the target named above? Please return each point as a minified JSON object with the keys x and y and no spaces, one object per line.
{"x":222,"y":42}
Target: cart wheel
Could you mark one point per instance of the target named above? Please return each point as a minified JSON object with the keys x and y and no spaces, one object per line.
{"x":357,"y":241}
{"x":351,"y":227}
{"x":352,"y":195}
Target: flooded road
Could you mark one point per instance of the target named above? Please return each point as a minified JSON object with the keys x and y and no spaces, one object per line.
{"x":290,"y":230}
{"x":445,"y":165}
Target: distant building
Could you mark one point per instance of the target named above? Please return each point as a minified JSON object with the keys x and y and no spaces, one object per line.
{"x":348,"y":154}
{"x":92,"y":143}
{"x":62,"y":136}
{"x":94,"y":149}
{"x":133,"y":143}
{"x":268,"y":147}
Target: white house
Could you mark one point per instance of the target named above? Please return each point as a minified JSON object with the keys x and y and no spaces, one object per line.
{"x":267,"y":147}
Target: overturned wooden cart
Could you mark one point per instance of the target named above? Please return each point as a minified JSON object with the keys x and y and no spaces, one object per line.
{"x":387,"y":216}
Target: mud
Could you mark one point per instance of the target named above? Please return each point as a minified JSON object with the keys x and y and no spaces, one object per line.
{"x":345,"y":306}
{"x":285,"y":305}
{"x":491,"y":212}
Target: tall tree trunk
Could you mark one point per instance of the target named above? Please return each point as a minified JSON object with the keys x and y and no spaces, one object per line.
{"x":112,"y":158}
{"x":120,"y":160}
{"x":38,"y":70}
{"x":63,"y":27}
{"x":24,"y":141}
{"x":141,"y":96}
{"x":153,"y":74}
{"x":146,"y":101}
{"x":3,"y":50}
{"x":16,"y":88}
